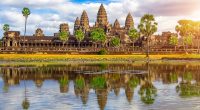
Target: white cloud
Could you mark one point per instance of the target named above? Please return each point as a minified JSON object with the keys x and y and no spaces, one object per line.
{"x":48,"y":14}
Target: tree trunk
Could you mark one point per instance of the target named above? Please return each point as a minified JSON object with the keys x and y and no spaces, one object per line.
{"x":25,"y":32}
{"x":147,"y":54}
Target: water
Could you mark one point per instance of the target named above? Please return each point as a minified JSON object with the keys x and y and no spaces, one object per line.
{"x":136,"y":86}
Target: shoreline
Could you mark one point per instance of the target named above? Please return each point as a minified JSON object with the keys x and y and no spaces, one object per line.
{"x":95,"y":58}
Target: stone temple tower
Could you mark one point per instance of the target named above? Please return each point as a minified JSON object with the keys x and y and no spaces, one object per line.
{"x":84,"y":22}
{"x":129,"y":22}
{"x":64,"y":27}
{"x":102,"y":20}
{"x":76,"y":24}
{"x":116,"y":24}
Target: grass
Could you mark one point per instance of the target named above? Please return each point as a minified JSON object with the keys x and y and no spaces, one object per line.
{"x":57,"y":57}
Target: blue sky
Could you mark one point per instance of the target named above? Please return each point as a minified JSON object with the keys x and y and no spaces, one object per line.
{"x":48,"y":14}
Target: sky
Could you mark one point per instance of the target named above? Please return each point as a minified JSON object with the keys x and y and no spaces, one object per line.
{"x":48,"y":14}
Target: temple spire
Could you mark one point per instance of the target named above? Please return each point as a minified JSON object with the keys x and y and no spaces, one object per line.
{"x":129,"y":22}
{"x":84,"y":22}
{"x":116,"y":24}
{"x":102,"y":19}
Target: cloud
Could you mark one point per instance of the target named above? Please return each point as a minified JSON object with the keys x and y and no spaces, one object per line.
{"x":168,"y":7}
{"x":48,"y":14}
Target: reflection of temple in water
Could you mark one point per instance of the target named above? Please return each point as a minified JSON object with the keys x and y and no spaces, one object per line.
{"x":117,"y":76}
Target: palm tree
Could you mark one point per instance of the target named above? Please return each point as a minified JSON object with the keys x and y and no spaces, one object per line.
{"x":79,"y":36}
{"x":26,"y":12}
{"x":6,"y":27}
{"x":147,"y":28}
{"x":134,"y":35}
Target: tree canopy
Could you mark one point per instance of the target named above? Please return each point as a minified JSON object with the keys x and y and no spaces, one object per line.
{"x":26,"y":12}
{"x":6,"y":27}
{"x":98,"y":34}
{"x":115,"y":41}
{"x":173,"y":40}
{"x":63,"y":36}
{"x":147,"y":25}
{"x":79,"y":35}
{"x":133,"y":34}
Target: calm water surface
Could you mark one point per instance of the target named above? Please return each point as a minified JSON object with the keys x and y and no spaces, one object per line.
{"x":136,"y":86}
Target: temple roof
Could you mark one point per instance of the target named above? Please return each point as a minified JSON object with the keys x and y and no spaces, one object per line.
{"x":84,"y":20}
{"x":102,"y":16}
{"x":116,"y":24}
{"x":77,"y":21}
{"x":129,"y":21}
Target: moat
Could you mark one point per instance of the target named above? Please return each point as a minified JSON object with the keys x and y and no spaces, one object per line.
{"x":100,"y":86}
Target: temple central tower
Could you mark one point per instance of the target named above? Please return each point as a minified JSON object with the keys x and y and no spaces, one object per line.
{"x":102,"y":20}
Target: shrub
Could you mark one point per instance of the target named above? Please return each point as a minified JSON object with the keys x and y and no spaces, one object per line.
{"x":102,"y":52}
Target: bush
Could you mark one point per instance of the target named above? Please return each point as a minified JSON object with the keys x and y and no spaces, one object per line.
{"x":102,"y":52}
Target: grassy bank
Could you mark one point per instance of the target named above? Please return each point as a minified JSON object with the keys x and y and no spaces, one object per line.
{"x":83,"y":58}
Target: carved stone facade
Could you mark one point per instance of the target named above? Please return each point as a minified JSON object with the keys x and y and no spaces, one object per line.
{"x":111,"y":30}
{"x":39,"y":33}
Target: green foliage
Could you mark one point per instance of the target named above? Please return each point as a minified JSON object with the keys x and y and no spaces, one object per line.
{"x":98,"y":82}
{"x":173,"y":40}
{"x":133,"y":82}
{"x":26,"y":12}
{"x":64,"y":36}
{"x":147,"y":25}
{"x":25,"y":104}
{"x":188,"y":90}
{"x":98,"y":34}
{"x":79,"y":35}
{"x":187,"y":76}
{"x":133,"y":34}
{"x":6,"y":27}
{"x":115,"y":41}
{"x":102,"y":52}
{"x":63,"y":81}
{"x":187,"y":40}
{"x":185,"y":27}
{"x":80,"y":83}
{"x":148,"y":93}
{"x":173,"y":77}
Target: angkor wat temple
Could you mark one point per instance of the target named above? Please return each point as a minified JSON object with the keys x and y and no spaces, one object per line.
{"x":13,"y":41}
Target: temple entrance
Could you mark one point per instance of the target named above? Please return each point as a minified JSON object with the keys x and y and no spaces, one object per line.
{"x":11,"y":43}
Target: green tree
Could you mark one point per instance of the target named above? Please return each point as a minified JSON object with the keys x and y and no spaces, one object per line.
{"x":64,"y":36}
{"x":186,"y":30}
{"x":147,"y":27}
{"x":6,"y":27}
{"x":98,"y":35}
{"x":115,"y":41}
{"x":187,"y":40}
{"x":134,"y":35}
{"x":79,"y":36}
{"x":173,"y":40}
{"x":26,"y":12}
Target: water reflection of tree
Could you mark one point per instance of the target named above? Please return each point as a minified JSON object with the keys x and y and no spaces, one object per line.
{"x":148,"y":91}
{"x":99,"y":84}
{"x":81,"y":88}
{"x":129,"y":87}
{"x":25,"y":103}
{"x":64,"y":84}
{"x":187,"y":87}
